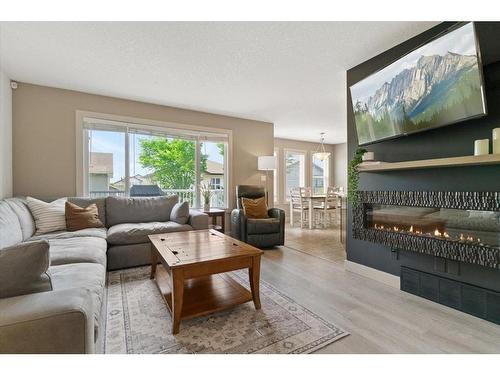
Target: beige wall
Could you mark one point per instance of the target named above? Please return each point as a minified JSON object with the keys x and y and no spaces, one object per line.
{"x":44,"y":136}
{"x":5,"y":136}
{"x":340,"y":165}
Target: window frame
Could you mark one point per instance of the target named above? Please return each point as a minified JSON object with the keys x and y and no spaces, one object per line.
{"x":200,"y":133}
{"x":326,"y":173}
{"x":305,"y":153}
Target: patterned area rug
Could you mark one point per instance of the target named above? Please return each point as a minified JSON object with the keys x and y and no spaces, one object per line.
{"x":138,"y":321}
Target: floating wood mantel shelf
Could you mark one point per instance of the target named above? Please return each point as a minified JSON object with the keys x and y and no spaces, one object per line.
{"x":460,"y":161}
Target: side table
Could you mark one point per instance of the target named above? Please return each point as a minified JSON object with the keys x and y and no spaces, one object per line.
{"x":214,"y":213}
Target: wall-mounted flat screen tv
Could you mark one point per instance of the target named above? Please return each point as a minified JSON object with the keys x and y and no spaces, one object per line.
{"x":437,"y":84}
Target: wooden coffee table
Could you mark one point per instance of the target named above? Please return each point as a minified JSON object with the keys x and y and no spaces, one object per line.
{"x":192,"y":279}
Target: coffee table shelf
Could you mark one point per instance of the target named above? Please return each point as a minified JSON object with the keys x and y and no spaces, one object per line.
{"x":192,"y":277}
{"x":204,"y":295}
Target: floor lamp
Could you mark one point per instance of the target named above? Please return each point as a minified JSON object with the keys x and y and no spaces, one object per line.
{"x":266,"y":163}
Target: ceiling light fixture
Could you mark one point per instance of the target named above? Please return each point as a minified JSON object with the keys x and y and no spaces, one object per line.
{"x":320,"y":152}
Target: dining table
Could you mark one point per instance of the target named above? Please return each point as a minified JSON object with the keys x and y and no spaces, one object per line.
{"x":317,"y":198}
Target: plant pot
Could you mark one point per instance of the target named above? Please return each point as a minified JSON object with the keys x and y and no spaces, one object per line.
{"x":206,"y":207}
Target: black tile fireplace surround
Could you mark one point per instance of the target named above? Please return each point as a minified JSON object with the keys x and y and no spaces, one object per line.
{"x":419,"y":221}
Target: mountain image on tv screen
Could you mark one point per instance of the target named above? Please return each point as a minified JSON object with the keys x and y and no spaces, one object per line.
{"x":437,"y":84}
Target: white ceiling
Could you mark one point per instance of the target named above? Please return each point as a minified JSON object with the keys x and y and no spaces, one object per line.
{"x":291,"y":74}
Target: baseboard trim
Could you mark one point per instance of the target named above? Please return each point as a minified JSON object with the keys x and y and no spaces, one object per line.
{"x":372,"y":273}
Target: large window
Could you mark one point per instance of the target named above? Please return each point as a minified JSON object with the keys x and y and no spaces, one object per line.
{"x":134,"y":160}
{"x":320,"y":175}
{"x":294,"y":170}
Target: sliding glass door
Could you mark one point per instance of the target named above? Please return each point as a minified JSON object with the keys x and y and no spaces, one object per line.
{"x":127,"y":160}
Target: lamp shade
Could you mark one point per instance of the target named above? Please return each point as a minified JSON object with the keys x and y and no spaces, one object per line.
{"x":266,"y":163}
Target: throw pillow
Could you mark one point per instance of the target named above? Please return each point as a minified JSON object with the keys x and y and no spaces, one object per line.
{"x":23,"y":269}
{"x":78,"y":218}
{"x":49,"y":217}
{"x":180,"y":213}
{"x":255,"y":208}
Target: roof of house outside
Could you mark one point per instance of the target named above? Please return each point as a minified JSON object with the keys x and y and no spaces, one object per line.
{"x":101,"y":163}
{"x":214,"y":168}
{"x":136,"y":179}
{"x":317,"y":169}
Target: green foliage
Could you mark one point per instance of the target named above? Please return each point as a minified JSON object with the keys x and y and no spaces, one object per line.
{"x":353,"y":176}
{"x":221,"y":148}
{"x":172,"y":161}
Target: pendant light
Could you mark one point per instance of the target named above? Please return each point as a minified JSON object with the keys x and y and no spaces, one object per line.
{"x":320,"y":152}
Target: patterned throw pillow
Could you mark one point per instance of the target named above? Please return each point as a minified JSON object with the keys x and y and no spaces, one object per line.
{"x":255,"y":208}
{"x":49,"y":217}
{"x":78,"y":218}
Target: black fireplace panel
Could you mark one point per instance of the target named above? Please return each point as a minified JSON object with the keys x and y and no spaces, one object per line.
{"x":458,"y":226}
{"x":480,"y":302}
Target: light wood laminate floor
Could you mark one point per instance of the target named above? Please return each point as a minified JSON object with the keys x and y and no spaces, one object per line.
{"x":322,"y":243}
{"x":380,"y":318}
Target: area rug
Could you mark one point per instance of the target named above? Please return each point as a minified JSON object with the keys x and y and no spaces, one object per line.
{"x":138,"y":321}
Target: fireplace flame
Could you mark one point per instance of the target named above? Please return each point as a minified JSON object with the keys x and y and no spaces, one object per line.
{"x":436,"y":233}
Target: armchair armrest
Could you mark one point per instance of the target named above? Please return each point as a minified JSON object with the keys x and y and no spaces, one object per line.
{"x":278,"y":213}
{"x":238,"y":224}
{"x":52,"y":322}
{"x":198,"y":220}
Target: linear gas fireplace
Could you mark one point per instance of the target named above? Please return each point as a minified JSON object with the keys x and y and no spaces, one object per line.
{"x":462,"y":226}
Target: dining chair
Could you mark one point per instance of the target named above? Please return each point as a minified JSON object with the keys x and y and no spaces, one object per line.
{"x":299,"y":202}
{"x":330,"y":205}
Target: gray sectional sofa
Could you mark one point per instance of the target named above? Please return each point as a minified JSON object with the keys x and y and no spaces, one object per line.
{"x":52,"y":286}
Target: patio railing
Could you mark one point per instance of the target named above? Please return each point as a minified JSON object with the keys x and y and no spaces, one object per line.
{"x":185,"y":195}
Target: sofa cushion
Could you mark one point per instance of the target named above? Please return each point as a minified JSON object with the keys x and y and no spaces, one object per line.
{"x":126,"y":256}
{"x":85,"y":202}
{"x":180,"y":213}
{"x":263,"y":226}
{"x":10,"y":228}
{"x":90,"y":276}
{"x":23,"y":269}
{"x":49,"y":217}
{"x":89,"y":232}
{"x":20,"y":207}
{"x":78,"y":250}
{"x":120,"y":210}
{"x":125,"y":234}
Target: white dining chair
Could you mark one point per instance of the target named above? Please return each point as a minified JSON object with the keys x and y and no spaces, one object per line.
{"x":299,"y":202}
{"x":329,"y":206}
